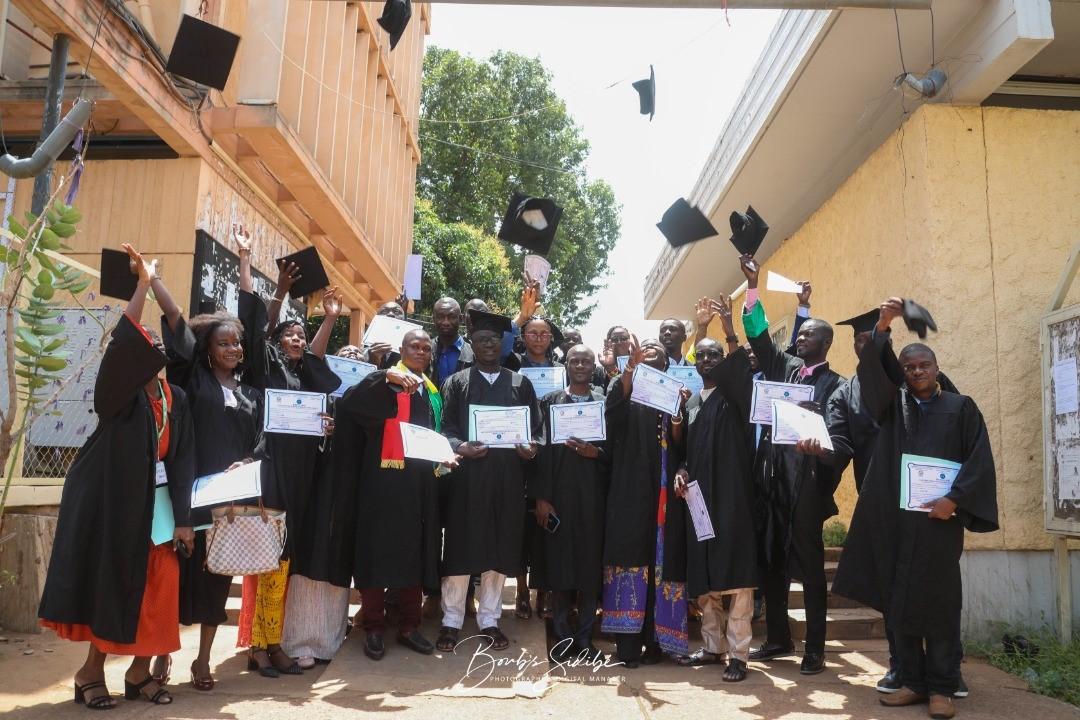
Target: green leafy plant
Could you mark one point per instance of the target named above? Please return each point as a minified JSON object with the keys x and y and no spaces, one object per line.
{"x":834,"y":534}
{"x":35,"y":278}
{"x":1052,"y":668}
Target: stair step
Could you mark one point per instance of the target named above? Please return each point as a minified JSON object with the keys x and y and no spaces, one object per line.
{"x":797,"y":599}
{"x":843,"y":624}
{"x":832,"y":554}
{"x":830,"y":570}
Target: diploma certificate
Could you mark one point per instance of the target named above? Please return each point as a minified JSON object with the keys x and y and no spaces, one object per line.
{"x":792,"y":423}
{"x":424,"y":443}
{"x":293,"y":412}
{"x":923,"y":479}
{"x":385,"y":329}
{"x":656,"y":389}
{"x":500,"y":427}
{"x":765,"y":392}
{"x":350,"y":371}
{"x":545,"y":379}
{"x":688,"y":376}
{"x":699,"y":512}
{"x":242,"y":483}
{"x":582,"y":421}
{"x":621,"y":361}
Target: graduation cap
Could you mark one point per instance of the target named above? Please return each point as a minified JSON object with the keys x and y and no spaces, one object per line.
{"x":312,"y":274}
{"x":202,"y":52}
{"x":531,"y":222}
{"x":863,"y":323}
{"x":489,"y":321}
{"x":747,"y":230}
{"x":395,"y":17}
{"x":683,"y":223}
{"x":918,"y":319}
{"x":207,"y":307}
{"x":117,"y":280}
{"x":647,"y":94}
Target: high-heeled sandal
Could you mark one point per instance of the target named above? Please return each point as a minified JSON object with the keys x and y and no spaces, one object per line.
{"x":98,"y":702}
{"x":163,"y":680}
{"x":134,"y":691}
{"x":266,"y":669}
{"x":278,"y":658}
{"x":205,"y":684}
{"x":524,"y":609}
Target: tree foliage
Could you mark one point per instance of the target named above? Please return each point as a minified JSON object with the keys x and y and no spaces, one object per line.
{"x":540,"y":151}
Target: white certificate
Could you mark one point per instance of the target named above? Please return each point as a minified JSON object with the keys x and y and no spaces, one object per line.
{"x":699,"y":512}
{"x":582,"y":421}
{"x":538,"y":268}
{"x":792,"y":423}
{"x":656,"y":389}
{"x":545,"y":379}
{"x":923,"y":479}
{"x":621,"y":361}
{"x":688,"y":376}
{"x":1065,"y":390}
{"x":778,"y":283}
{"x":350,"y":371}
{"x":424,"y":443}
{"x":499,"y":427}
{"x":765,"y":392}
{"x":242,"y":483}
{"x":294,"y":412}
{"x":385,"y":329}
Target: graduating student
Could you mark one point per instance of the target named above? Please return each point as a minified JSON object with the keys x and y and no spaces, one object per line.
{"x":206,"y":356}
{"x":572,"y":484}
{"x":397,"y":535}
{"x":797,"y":488}
{"x":904,"y":562}
{"x":571,"y":337}
{"x":718,"y":458}
{"x":108,"y":583}
{"x":849,"y":420}
{"x":672,"y":337}
{"x":281,"y":361}
{"x":381,"y":354}
{"x":486,"y":497}
{"x":644,"y":543}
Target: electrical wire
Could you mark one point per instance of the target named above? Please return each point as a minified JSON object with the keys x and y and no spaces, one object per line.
{"x":899,"y":45}
{"x":499,"y":155}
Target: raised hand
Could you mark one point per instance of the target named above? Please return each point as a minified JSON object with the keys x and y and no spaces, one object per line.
{"x":288,"y":274}
{"x":750,"y":269}
{"x":242,"y":238}
{"x":145,"y":270}
{"x":807,"y":290}
{"x":636,"y":355}
{"x":722,"y":307}
{"x":331,"y":302}
{"x":704,"y":312}
{"x":891,"y":309}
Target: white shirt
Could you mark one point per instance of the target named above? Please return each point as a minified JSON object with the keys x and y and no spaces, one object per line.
{"x":490,"y":377}
{"x":229,"y":397}
{"x":706,"y":392}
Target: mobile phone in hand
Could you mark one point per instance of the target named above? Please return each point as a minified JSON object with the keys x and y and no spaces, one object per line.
{"x":183,"y":549}
{"x":552,"y":523}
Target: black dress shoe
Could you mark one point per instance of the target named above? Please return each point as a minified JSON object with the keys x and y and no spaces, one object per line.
{"x":891,"y":683}
{"x":812,"y":663}
{"x":652,"y":655}
{"x":416,"y":641}
{"x":374,"y":647}
{"x":768,"y":651}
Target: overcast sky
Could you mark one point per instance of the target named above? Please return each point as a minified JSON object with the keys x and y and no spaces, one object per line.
{"x":701,"y":66}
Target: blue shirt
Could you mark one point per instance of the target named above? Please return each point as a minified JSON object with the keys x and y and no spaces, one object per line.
{"x":447,"y":358}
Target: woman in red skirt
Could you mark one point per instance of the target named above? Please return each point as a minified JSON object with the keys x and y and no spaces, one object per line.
{"x":113,"y":577}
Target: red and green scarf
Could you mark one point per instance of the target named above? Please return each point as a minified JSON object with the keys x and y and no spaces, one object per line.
{"x":393,"y":451}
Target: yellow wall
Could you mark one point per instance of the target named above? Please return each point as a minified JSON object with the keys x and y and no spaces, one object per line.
{"x":972,"y":212}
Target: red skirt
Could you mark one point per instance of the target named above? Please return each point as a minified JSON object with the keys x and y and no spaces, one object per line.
{"x":159,"y":616}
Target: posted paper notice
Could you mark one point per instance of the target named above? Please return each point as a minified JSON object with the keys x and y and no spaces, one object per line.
{"x":1065,"y":390}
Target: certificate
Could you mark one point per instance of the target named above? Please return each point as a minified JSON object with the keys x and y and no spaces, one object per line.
{"x":545,"y":379}
{"x":765,"y":392}
{"x":582,"y":421}
{"x":923,"y":479}
{"x":293,"y":412}
{"x":499,"y":427}
{"x":538,"y":268}
{"x":423,"y":443}
{"x":621,"y":361}
{"x":792,"y":423}
{"x":699,"y":512}
{"x":385,"y":329}
{"x":350,"y":371}
{"x":688,"y":376}
{"x":656,"y":389}
{"x":164,"y":523}
{"x":240,"y":484}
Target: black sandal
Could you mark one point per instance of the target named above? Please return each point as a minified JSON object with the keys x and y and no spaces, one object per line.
{"x":203,"y":684}
{"x":498,"y":640}
{"x":736,"y":671}
{"x":699,"y":657}
{"x":447,"y":640}
{"x":163,"y":679}
{"x":293,"y":668}
{"x":524,"y":608}
{"x":98,"y":702}
{"x":134,"y":691}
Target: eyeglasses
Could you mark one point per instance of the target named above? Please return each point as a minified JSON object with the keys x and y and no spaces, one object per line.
{"x":538,"y":335}
{"x":486,"y":340}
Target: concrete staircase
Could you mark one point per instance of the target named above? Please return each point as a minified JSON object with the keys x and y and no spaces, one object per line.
{"x":847,"y":620}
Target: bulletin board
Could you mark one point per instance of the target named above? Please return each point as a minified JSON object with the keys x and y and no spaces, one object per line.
{"x":216,"y":280}
{"x":1060,"y":341}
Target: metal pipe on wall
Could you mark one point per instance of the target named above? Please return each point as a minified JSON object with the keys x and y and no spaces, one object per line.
{"x":54,"y":95}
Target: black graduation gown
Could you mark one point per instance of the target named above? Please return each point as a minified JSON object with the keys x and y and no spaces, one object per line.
{"x":852,"y":428}
{"x":485,"y":497}
{"x":397,"y":535}
{"x":289,"y":461}
{"x":97,"y":572}
{"x":796,"y":490}
{"x":634,"y":492}
{"x":899,"y":561}
{"x":571,"y":558}
{"x":718,"y":457}
{"x":223,"y":435}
